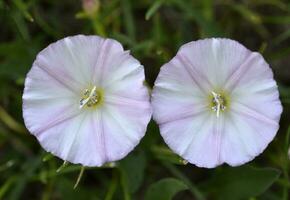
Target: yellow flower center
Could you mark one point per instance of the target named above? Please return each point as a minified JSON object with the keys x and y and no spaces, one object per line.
{"x":218,"y":103}
{"x":91,"y":97}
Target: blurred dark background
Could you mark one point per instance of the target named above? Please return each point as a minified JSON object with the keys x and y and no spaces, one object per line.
{"x":153,"y":31}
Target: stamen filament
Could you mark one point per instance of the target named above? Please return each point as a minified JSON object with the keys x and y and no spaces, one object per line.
{"x":91,"y":97}
{"x":218,"y":103}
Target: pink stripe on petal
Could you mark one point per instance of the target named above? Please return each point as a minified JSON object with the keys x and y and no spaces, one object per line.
{"x":248,"y":96}
{"x":72,"y":150}
{"x":251,"y":112}
{"x":202,"y":150}
{"x":187,"y":147}
{"x":182,"y":114}
{"x":100,"y":60}
{"x":235,"y":77}
{"x":196,"y":76}
{"x":122,"y":76}
{"x":62,"y":116}
{"x":123,"y":128}
{"x":234,"y":149}
{"x":125,"y":101}
{"x":218,"y":131}
{"x":60,"y":77}
{"x":98,"y":132}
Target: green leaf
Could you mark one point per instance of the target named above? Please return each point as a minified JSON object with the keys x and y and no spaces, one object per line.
{"x":198,"y":195}
{"x":164,"y":153}
{"x":165,"y":189}
{"x":23,"y":177}
{"x":132,"y":168}
{"x":64,"y":188}
{"x":241,"y":182}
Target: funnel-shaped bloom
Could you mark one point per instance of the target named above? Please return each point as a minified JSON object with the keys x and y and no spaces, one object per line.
{"x":216,"y":102}
{"x":85,"y":100}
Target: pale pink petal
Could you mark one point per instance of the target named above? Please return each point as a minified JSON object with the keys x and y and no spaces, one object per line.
{"x":205,"y":146}
{"x":46,"y":101}
{"x":174,"y":97}
{"x":126,"y":111}
{"x":255,"y":88}
{"x":111,"y":56}
{"x":246,"y":136}
{"x":214,"y":59}
{"x":125,"y":124}
{"x":71,"y":59}
{"x":55,"y":85}
{"x":182,"y":106}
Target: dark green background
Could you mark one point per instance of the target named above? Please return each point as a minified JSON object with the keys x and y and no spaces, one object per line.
{"x":153,"y":31}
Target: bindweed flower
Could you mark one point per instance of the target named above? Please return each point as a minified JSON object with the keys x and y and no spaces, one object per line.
{"x":216,"y":102}
{"x":85,"y":100}
{"x":91,"y":7}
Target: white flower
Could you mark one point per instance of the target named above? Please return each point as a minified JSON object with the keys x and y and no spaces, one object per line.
{"x":216,"y":102}
{"x":85,"y":100}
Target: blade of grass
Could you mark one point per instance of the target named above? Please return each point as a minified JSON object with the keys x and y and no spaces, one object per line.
{"x":251,"y":16}
{"x":113,"y":186}
{"x":124,"y":184}
{"x":5,"y":187}
{"x":153,"y":9}
{"x":209,"y":28}
{"x":23,"y":9}
{"x":286,"y":165}
{"x":128,"y":19}
{"x":283,"y":19}
{"x":10,"y":122}
{"x":282,"y":37}
{"x":25,"y":176}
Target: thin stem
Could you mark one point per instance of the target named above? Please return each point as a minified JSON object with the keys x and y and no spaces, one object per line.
{"x":113,"y":186}
{"x":62,"y":166}
{"x":286,"y":166}
{"x":79,"y":177}
{"x":124,"y":184}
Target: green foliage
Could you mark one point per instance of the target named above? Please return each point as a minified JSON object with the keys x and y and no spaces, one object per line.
{"x":241,"y":182}
{"x":152,"y":30}
{"x":132,"y":169}
{"x":164,"y":189}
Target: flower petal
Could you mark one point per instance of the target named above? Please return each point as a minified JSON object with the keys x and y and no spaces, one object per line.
{"x":182,"y":104}
{"x":46,"y":101}
{"x":76,"y":140}
{"x":213,"y":59}
{"x":174,"y":97}
{"x":71,"y":59}
{"x":124,"y":126}
{"x":245,"y":137}
{"x":127,"y":110}
{"x":55,"y":85}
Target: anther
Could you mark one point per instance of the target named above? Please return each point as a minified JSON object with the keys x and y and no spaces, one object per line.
{"x":218,"y":103}
{"x":90,"y":97}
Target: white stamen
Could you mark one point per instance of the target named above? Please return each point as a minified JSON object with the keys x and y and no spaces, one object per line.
{"x":90,"y":97}
{"x":218,"y":103}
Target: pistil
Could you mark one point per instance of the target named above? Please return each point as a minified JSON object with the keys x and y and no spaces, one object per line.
{"x":218,"y":103}
{"x":90,"y":97}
